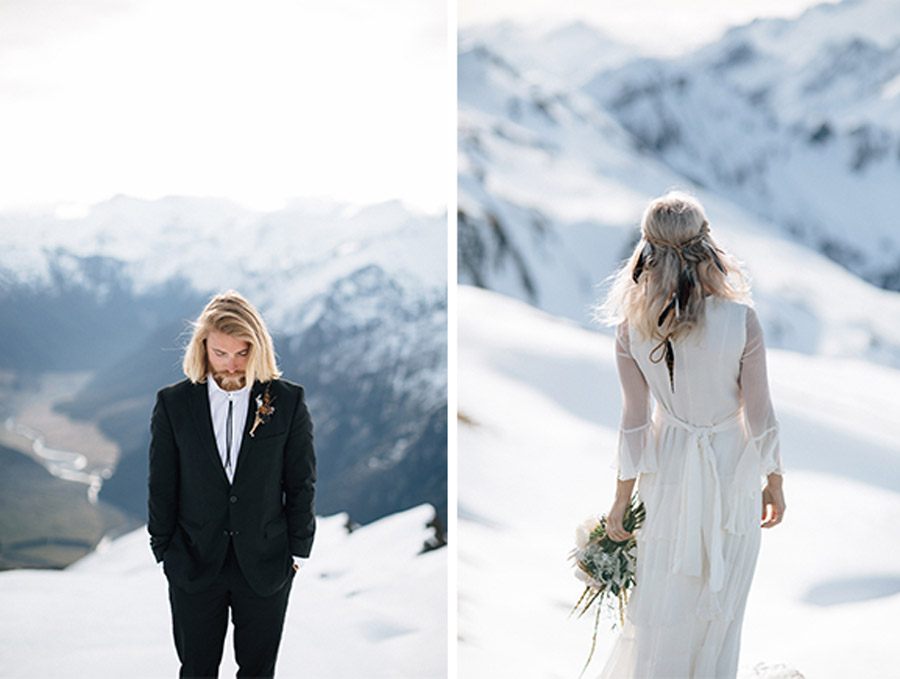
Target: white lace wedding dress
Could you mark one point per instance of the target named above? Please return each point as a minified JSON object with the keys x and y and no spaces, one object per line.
{"x":699,"y":458}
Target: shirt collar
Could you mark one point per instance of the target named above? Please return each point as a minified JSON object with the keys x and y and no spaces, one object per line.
{"x":214,"y":388}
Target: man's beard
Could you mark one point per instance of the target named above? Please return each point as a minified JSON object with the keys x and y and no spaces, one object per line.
{"x":230,"y":381}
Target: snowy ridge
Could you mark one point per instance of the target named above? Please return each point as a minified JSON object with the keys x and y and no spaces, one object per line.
{"x":569,"y":53}
{"x":365,"y":603}
{"x":530,"y":472}
{"x":213,"y":244}
{"x":796,"y":40}
{"x":795,"y":120}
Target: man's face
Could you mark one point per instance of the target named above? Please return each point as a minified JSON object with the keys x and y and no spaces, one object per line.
{"x":227,"y":358}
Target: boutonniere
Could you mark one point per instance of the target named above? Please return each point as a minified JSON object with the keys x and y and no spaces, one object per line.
{"x":264,"y":409}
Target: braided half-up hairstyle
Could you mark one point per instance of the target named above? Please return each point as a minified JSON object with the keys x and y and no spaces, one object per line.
{"x":661,"y":289}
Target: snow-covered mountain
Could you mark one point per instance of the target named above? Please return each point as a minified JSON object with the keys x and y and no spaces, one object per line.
{"x":539,"y":405}
{"x":797,"y":121}
{"x":278,"y":259}
{"x":545,"y":185}
{"x":355,"y":299}
{"x":367,"y":603}
{"x":551,"y":190}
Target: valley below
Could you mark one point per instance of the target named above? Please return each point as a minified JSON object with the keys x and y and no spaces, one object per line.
{"x":54,"y":468}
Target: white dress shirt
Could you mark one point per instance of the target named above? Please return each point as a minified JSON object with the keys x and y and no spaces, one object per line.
{"x":218,"y":409}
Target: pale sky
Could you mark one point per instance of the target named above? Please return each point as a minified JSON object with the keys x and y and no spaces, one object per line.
{"x":660,"y":27}
{"x":259,"y":102}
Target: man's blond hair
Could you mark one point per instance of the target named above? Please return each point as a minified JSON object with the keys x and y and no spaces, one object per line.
{"x":230,"y":313}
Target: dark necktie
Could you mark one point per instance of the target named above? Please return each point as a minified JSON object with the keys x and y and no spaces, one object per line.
{"x":228,"y":436}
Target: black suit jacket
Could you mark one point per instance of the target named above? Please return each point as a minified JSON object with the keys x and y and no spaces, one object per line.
{"x":193,"y":510}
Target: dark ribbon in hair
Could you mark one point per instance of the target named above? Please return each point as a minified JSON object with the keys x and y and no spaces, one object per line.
{"x":718,"y":262}
{"x":642,"y":260}
{"x":687,"y":281}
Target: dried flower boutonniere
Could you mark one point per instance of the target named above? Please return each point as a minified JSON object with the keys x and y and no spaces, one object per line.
{"x":264,"y":409}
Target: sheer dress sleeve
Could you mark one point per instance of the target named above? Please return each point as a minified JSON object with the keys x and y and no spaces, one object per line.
{"x":634,"y":432}
{"x":758,"y":412}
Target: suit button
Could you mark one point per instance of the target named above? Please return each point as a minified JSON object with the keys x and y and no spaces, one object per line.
{"x":233,"y":499}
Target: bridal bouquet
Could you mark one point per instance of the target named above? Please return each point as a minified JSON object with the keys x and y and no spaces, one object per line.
{"x":605,"y":566}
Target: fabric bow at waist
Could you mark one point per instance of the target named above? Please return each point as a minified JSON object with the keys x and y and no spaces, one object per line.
{"x":700,"y":522}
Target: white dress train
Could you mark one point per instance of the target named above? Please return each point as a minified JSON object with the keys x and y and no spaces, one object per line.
{"x":699,"y":457}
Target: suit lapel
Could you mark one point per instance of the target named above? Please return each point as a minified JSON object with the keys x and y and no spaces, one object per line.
{"x":246,"y":440}
{"x":204,"y":426}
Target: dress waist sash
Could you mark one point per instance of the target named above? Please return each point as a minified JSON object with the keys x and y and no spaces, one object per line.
{"x":700,"y":523}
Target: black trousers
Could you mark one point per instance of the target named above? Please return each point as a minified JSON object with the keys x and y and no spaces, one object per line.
{"x":199,"y":623}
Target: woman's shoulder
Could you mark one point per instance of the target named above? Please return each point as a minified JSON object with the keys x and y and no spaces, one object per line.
{"x":738,"y":316}
{"x":623,"y":336}
{"x":737,"y":307}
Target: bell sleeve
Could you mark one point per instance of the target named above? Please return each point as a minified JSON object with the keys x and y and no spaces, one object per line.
{"x":759,"y":415}
{"x":633,"y":455}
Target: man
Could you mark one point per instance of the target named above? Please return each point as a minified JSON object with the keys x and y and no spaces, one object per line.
{"x":232,"y":474}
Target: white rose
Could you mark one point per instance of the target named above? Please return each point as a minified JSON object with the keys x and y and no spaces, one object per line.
{"x":583,"y":532}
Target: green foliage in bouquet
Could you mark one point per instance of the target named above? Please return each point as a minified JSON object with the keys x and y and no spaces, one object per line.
{"x":606,"y":566}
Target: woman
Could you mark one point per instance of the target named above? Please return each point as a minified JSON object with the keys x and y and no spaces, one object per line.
{"x":687,"y":335}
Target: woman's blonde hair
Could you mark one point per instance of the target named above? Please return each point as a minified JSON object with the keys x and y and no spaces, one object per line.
{"x":660,"y":290}
{"x":230,"y":313}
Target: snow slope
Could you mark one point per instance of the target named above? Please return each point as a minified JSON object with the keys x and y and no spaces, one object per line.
{"x":366,"y":604}
{"x":539,"y":405}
